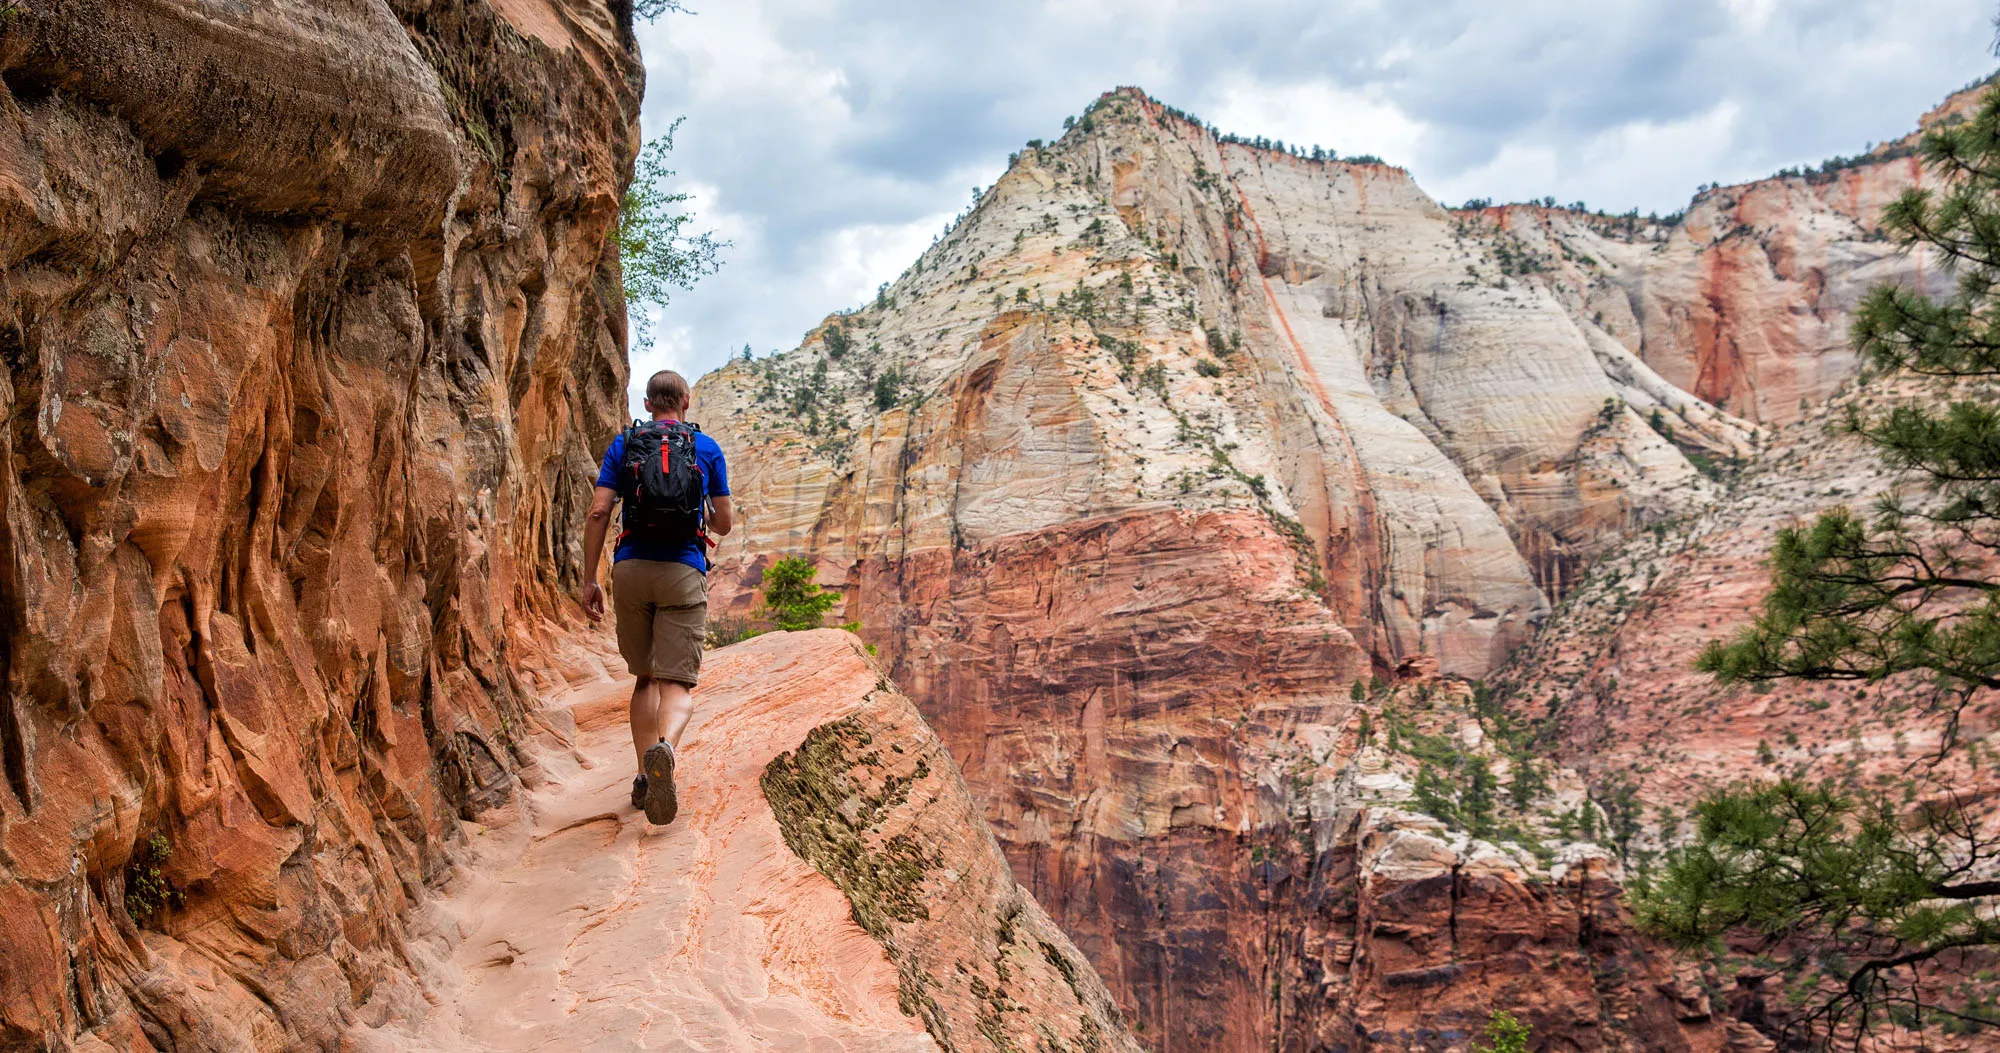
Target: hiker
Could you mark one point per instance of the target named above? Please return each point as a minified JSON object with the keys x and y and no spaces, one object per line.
{"x":665,"y":471}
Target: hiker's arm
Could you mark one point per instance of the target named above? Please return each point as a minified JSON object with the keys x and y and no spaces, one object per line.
{"x":722,"y":515}
{"x":594,"y":526}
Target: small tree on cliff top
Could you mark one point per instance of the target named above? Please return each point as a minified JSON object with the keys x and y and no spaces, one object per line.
{"x":1886,"y":897}
{"x":654,"y":252}
{"x":792,"y":599}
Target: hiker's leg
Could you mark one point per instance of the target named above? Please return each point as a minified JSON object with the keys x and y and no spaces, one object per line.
{"x":676,"y":706}
{"x":645,"y":714}
{"x":679,"y":625}
{"x":633,"y":603}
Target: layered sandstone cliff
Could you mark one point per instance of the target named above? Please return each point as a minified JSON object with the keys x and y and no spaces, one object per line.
{"x":308,"y":318}
{"x":1170,"y":440}
{"x":1611,"y":680}
{"x":1746,"y":300}
{"x":1167,"y":444}
{"x":1613,"y":674}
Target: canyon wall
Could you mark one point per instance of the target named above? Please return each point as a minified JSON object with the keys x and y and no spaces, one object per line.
{"x":1164,"y":448}
{"x":309,"y":319}
{"x":1610,"y":681}
{"x":1613,"y":668}
{"x":1171,"y":440}
{"x":1746,"y":300}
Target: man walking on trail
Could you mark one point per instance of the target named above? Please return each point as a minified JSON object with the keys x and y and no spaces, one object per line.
{"x":675,"y":489}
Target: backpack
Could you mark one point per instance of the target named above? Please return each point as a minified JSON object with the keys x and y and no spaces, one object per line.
{"x":662,"y":484}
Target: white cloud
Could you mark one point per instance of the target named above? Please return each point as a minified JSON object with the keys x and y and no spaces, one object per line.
{"x":1352,"y":122}
{"x":829,"y":139}
{"x":1639,"y":162}
{"x":866,"y":255}
{"x":1753,"y":14}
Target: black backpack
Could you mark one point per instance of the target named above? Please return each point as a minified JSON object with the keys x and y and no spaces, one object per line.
{"x":661,"y":483}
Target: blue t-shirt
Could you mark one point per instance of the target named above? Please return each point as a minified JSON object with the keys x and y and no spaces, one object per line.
{"x":713,"y":469}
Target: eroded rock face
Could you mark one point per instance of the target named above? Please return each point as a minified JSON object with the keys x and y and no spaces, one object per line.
{"x":1612,"y":677}
{"x":309,"y":319}
{"x":1418,"y":935}
{"x":1426,"y":902}
{"x":1169,"y":441}
{"x":1614,"y":668}
{"x":871,"y":798}
{"x":1746,"y":301}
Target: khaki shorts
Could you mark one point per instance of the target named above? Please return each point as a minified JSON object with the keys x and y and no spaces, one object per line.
{"x":662,"y":610}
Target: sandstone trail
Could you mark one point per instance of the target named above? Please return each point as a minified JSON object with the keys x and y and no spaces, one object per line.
{"x":578,"y":924}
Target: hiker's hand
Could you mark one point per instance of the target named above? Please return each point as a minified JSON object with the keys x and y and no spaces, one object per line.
{"x":593,"y":601}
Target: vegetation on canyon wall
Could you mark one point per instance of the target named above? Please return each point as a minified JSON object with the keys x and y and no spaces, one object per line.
{"x":793,"y":602}
{"x":1505,"y":1034}
{"x":1138,"y":344}
{"x":654,"y":250}
{"x":1865,"y":891}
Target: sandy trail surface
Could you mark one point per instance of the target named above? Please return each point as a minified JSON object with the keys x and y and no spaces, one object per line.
{"x":579,"y":926}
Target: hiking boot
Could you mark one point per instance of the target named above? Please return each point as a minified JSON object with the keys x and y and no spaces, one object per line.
{"x":660,"y":803}
{"x":638,"y":791}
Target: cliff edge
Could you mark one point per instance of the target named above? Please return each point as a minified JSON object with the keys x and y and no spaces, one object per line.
{"x":828,"y":885}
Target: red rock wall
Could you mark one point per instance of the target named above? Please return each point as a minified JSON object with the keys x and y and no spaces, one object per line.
{"x":1103,"y":686}
{"x":1188,"y":436}
{"x":1749,"y":306}
{"x":1746,"y":302}
{"x":309,"y":319}
{"x":1403,"y":953}
{"x":1614,"y":668}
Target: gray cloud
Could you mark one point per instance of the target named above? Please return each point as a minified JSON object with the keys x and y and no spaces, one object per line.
{"x":831,"y":139}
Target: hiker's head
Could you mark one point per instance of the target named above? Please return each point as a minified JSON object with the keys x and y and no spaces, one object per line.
{"x":667,"y":392}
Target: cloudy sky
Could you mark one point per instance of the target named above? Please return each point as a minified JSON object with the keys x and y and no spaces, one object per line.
{"x":829,"y":140}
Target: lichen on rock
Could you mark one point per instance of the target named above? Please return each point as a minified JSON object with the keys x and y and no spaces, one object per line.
{"x":872,"y":801}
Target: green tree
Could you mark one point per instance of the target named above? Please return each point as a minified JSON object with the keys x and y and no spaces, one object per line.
{"x":148,"y":890}
{"x":1505,"y":1034}
{"x":1476,"y":803}
{"x":888,"y":388}
{"x":792,"y":599}
{"x":1892,"y":893}
{"x":1839,"y":872}
{"x":655,"y":250}
{"x":1433,"y":794}
{"x":837,"y":341}
{"x":1619,"y":798}
{"x":652,"y":9}
{"x":1528,"y":782}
